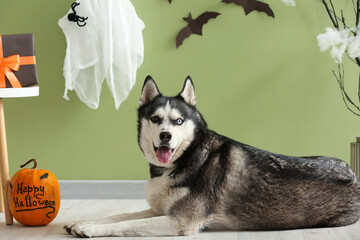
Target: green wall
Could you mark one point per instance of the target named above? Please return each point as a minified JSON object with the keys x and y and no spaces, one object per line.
{"x":259,"y":80}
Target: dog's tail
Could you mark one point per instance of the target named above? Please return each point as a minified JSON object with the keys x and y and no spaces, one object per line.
{"x":358,"y":187}
{"x":348,"y":171}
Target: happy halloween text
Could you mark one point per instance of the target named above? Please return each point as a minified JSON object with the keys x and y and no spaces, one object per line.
{"x":32,"y":198}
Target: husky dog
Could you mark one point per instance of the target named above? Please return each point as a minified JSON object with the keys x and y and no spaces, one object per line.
{"x":203,"y":180}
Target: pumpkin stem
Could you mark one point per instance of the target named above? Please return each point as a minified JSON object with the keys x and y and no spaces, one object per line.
{"x":31,"y":160}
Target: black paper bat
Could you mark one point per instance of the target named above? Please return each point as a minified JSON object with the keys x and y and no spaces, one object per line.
{"x":252,"y":5}
{"x":44,"y":176}
{"x":195,"y":26}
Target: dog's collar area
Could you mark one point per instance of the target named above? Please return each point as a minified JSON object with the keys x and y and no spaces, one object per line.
{"x":156,"y":171}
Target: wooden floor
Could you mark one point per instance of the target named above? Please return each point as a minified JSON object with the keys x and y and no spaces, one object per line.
{"x":72,"y":210}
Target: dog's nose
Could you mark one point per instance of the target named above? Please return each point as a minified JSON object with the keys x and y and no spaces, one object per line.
{"x":165,"y":136}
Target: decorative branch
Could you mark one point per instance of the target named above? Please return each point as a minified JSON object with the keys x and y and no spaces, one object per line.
{"x":344,"y":95}
{"x":333,"y":9}
{"x":357,"y":13}
{"x":354,"y":6}
{"x":340,"y":76}
{"x":359,"y":88}
{"x":330,"y":15}
{"x":343,"y":19}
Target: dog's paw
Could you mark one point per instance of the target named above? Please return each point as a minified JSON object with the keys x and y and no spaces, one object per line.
{"x":83,"y":230}
{"x":68,"y":227}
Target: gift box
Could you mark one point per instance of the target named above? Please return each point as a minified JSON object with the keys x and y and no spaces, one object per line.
{"x":17,"y":61}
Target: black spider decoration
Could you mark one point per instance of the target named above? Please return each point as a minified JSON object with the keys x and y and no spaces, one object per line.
{"x":75,"y":18}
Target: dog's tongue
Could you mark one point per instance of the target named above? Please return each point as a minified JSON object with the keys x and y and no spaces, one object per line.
{"x":163,"y":154}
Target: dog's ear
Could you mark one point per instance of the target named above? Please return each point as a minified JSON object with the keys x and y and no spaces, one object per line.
{"x":149,"y":91}
{"x":188,"y":92}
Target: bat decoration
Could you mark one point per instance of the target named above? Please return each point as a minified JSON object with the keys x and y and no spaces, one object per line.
{"x":252,"y":5}
{"x":194,"y":26}
{"x":44,"y":176}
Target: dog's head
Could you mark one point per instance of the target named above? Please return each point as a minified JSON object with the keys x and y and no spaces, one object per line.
{"x":166,"y":125}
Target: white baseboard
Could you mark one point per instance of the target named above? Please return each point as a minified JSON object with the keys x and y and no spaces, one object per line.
{"x":102,"y":189}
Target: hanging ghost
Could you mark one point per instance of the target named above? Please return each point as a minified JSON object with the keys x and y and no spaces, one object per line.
{"x":110,"y":46}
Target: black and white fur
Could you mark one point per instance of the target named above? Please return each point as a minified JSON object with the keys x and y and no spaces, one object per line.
{"x":203,"y":180}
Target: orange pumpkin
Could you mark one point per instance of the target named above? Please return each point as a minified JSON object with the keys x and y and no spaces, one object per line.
{"x":34,"y":196}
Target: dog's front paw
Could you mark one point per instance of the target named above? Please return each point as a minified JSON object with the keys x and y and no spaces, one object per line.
{"x":83,"y":230}
{"x":68,"y":227}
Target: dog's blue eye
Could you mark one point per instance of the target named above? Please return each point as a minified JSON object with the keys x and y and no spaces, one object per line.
{"x":155,"y":119}
{"x":179,"y":121}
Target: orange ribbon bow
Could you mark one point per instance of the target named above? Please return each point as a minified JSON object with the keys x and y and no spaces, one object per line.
{"x":12,"y":63}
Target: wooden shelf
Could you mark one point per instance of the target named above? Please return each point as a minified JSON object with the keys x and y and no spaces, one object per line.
{"x":19,"y":92}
